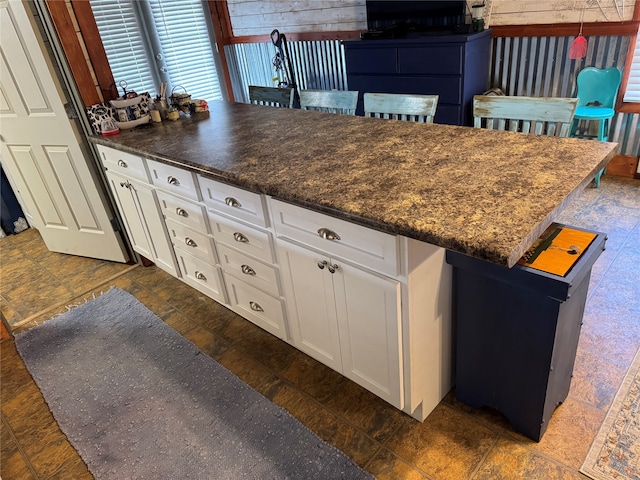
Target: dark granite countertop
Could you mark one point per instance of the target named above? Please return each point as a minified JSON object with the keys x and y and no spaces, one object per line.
{"x":489,"y":194}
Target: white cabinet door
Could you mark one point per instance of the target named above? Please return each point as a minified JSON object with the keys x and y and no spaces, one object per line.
{"x":346,"y":318}
{"x":144,"y":222}
{"x":311,"y":304}
{"x":369,"y":326}
{"x":129,"y":210}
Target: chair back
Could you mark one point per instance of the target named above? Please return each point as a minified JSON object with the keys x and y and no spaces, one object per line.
{"x":271,"y":96}
{"x":399,"y":106}
{"x":537,"y":115}
{"x":598,"y":87}
{"x":331,"y":101}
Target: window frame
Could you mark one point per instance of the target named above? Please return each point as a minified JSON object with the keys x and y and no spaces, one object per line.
{"x":630,"y":107}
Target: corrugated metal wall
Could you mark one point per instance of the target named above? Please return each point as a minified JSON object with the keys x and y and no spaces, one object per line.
{"x":530,"y":66}
{"x":540,"y":67}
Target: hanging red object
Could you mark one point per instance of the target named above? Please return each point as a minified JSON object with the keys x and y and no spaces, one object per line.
{"x":578,"y":48}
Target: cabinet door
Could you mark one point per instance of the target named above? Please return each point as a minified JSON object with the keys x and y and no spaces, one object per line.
{"x":143,"y":221}
{"x":368,"y":312}
{"x":129,"y":210}
{"x":311,"y":304}
{"x":163,"y":254}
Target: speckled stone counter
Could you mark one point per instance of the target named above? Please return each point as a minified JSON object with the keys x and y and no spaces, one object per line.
{"x":488,"y":194}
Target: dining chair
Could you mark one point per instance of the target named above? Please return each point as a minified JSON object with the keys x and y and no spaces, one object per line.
{"x":400,"y":106}
{"x":536,"y":115}
{"x":331,"y":101}
{"x":597,"y":91}
{"x":271,"y":96}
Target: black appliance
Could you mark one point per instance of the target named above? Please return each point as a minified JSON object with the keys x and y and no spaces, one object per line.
{"x":406,"y":18}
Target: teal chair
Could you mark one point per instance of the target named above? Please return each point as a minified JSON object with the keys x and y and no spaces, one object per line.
{"x":401,"y":106}
{"x":597,"y":93}
{"x":330,"y":101}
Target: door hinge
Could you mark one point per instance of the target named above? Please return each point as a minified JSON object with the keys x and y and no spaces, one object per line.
{"x":115,"y":225}
{"x":71,"y":111}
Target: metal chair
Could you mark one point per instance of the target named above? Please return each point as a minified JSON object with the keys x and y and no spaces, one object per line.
{"x":398,"y":106}
{"x":331,"y":101}
{"x":536,"y":115}
{"x":271,"y":96}
{"x":597,"y":91}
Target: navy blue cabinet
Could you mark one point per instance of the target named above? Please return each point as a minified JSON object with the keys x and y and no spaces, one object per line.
{"x":455,"y":67}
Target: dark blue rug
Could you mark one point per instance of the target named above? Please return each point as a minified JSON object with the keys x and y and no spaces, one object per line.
{"x":139,"y":401}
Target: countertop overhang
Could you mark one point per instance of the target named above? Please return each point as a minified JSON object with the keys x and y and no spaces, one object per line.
{"x":488,"y":194}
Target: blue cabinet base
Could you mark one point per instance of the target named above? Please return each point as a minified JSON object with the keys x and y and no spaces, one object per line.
{"x":517,"y":336}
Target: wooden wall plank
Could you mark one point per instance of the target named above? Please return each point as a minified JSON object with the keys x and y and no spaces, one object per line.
{"x":73,"y":51}
{"x":95,"y":49}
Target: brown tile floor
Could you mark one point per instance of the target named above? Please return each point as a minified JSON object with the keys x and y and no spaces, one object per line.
{"x":455,"y":442}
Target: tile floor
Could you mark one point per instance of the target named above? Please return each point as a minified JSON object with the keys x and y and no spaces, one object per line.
{"x":455,"y":442}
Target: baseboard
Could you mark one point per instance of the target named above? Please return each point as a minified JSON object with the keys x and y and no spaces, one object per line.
{"x":623,"y":166}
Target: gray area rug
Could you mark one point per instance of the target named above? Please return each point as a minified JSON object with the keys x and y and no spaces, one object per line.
{"x":138,"y":401}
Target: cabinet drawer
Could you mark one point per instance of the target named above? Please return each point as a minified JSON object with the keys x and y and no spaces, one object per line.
{"x":195,"y":243}
{"x":364,"y":246}
{"x":233,"y":201}
{"x":379,"y":60}
{"x":123,"y":163}
{"x":250,"y":270}
{"x":183,"y":211}
{"x":264,"y":310}
{"x":173,"y":179}
{"x":201,"y":275}
{"x":432,"y":60}
{"x":247,"y":239}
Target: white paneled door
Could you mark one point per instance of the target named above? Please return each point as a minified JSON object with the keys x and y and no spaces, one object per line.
{"x":40,"y":151}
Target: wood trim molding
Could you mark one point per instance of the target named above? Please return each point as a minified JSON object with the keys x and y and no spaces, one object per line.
{"x":298,"y":37}
{"x":73,"y":51}
{"x":566,"y":29}
{"x":95,"y":48}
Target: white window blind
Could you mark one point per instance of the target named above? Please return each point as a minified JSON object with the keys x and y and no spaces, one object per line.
{"x":127,"y":50}
{"x":153,"y":41}
{"x":632,"y":94}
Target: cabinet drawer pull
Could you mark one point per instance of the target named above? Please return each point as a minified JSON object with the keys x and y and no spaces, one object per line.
{"x":332,"y":268}
{"x":190,"y":242}
{"x":172,"y":180}
{"x":328,"y":234}
{"x":239,"y":237}
{"x":200,"y":276}
{"x":247,"y":270}
{"x":182,"y":212}
{"x":232,"y":202}
{"x":322,"y":264}
{"x":256,"y":307}
{"x":122,"y":163}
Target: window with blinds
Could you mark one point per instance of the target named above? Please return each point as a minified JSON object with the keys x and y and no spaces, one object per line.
{"x":148,"y":42}
{"x":632,"y":94}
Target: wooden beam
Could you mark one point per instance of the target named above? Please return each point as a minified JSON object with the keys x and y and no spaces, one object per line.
{"x":95,"y":48}
{"x":566,"y":29}
{"x":219,"y":11}
{"x":73,"y":51}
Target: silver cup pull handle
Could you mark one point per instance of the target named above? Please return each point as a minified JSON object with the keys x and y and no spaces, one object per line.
{"x":182,"y":212}
{"x":172,"y":180}
{"x":256,"y":307}
{"x":122,"y":163}
{"x":232,"y":202}
{"x":247,"y":270}
{"x":190,"y":242}
{"x":239,"y":237}
{"x":200,"y":276}
{"x":328,"y":234}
